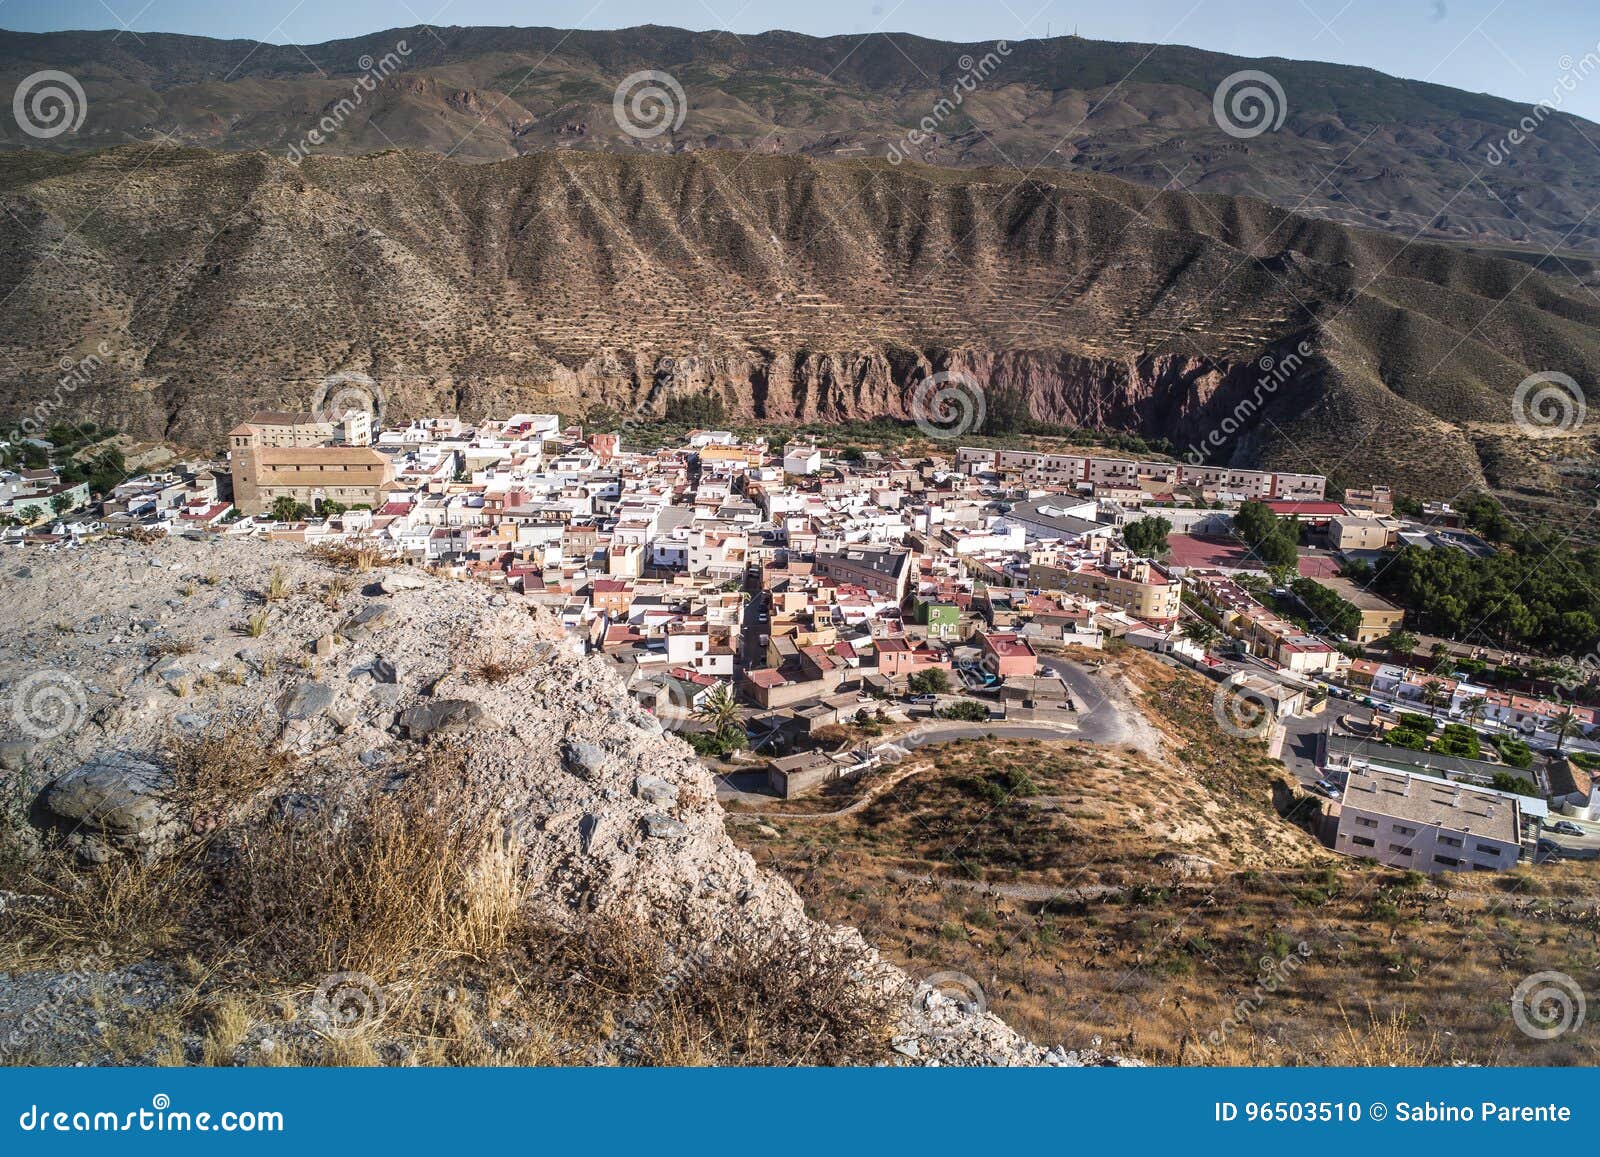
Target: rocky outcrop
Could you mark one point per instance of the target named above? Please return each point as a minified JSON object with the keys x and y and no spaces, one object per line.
{"x":613,"y":818}
{"x":116,"y":800}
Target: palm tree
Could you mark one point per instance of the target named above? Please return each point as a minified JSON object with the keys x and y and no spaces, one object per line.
{"x":1200,"y":632}
{"x":719,"y":711}
{"x":1432,"y":693}
{"x":1474,"y":708}
{"x":1564,"y":727}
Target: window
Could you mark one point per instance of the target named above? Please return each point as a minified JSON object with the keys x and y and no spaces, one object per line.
{"x":1366,"y":822}
{"x":1402,"y":830}
{"x":1447,"y":861}
{"x":1488,"y":850}
{"x":1363,"y":842}
{"x":1450,"y":841}
{"x":1401,"y":849}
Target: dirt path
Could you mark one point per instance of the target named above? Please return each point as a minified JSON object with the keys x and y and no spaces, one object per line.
{"x":1028,"y":893}
{"x":900,"y":775}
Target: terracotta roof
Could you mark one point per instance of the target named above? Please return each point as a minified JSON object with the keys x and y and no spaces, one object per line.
{"x":283,"y":418}
{"x":319,"y":455}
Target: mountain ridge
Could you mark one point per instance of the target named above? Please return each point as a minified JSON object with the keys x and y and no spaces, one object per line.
{"x":1356,"y":145}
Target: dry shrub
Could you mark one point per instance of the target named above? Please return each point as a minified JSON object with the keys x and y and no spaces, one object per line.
{"x":791,"y":1000}
{"x":1382,"y":1042}
{"x":356,"y":555}
{"x":393,"y":890}
{"x":489,"y":661}
{"x":89,"y":916}
{"x":224,"y":765}
{"x":765,"y":998}
{"x":335,"y":590}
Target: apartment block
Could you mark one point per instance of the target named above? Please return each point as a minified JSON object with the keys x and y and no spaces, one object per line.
{"x":1137,"y":587}
{"x":1427,"y":824}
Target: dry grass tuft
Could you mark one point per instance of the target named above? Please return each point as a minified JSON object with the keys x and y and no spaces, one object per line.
{"x":278,"y":586}
{"x":228,"y":1022}
{"x":335,"y":590}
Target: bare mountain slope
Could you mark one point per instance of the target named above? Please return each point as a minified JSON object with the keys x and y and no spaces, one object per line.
{"x":792,"y":289}
{"x":1354,"y":146}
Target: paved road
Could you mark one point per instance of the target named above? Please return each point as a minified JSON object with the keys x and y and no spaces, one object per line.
{"x":1098,"y":716}
{"x":751,"y":786}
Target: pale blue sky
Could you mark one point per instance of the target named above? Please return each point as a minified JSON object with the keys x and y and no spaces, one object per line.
{"x":1514,"y":48}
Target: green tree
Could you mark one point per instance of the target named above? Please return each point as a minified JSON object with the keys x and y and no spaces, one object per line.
{"x":1147,"y":536}
{"x":1564,"y":726}
{"x":929,"y":681}
{"x":283,"y":508}
{"x":1505,"y":781}
{"x":1200,"y":632}
{"x":719,"y":711}
{"x":1401,"y":643}
{"x":30,"y":514}
{"x":60,"y":504}
{"x":967,"y":710}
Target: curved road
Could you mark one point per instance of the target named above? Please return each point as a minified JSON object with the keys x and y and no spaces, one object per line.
{"x":1098,"y":719}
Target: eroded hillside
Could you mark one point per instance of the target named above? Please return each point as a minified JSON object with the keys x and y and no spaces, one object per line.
{"x":204,"y":286}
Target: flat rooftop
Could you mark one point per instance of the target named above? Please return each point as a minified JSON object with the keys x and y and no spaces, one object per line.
{"x":1436,"y":802}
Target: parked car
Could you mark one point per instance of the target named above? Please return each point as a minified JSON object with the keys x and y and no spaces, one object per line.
{"x":1567,"y":828}
{"x":922,"y":700}
{"x":1330,"y":789}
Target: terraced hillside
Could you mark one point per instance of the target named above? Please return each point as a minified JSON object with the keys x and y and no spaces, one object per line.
{"x":208,"y":284}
